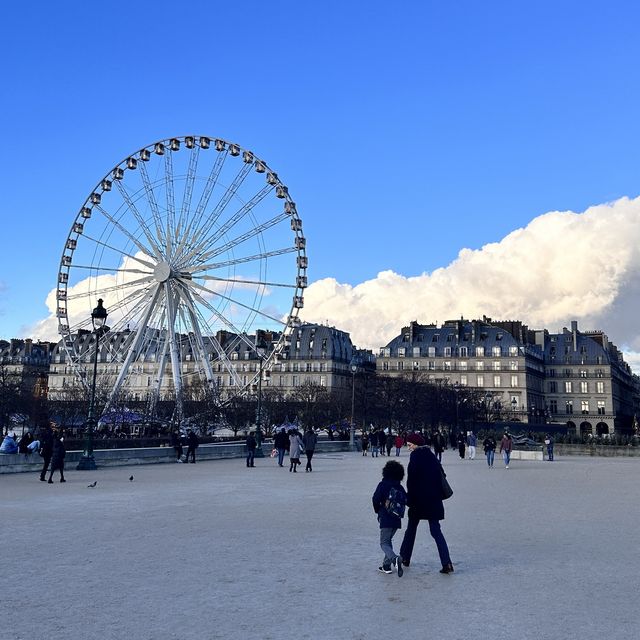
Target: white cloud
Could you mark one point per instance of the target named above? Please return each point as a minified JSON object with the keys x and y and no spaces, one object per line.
{"x":563,"y":266}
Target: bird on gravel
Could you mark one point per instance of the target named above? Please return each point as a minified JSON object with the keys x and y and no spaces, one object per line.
{"x":130,"y":478}
{"x":93,"y":484}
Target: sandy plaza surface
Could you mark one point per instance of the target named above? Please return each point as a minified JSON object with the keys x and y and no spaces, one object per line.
{"x":215,"y":550}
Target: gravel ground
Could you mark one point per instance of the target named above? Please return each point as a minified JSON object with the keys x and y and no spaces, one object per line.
{"x":215,"y":550}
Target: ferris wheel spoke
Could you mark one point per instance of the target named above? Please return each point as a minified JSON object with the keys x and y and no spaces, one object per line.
{"x":188,"y":193}
{"x":229,"y":263}
{"x":229,"y":224}
{"x":122,"y":253}
{"x":139,"y":218}
{"x":198,"y":235}
{"x":153,"y":205}
{"x":171,"y":206}
{"x":123,"y":230}
{"x":109,"y":269}
{"x":256,"y":231}
{"x":237,"y":302}
{"x":241,"y":281}
{"x":104,"y":290}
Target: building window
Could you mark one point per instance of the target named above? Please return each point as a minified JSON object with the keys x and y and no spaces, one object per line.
{"x":496,"y":381}
{"x":435,"y":337}
{"x":584,"y":406}
{"x":496,"y":365}
{"x":551,"y":373}
{"x":464,"y":351}
{"x":385,"y":366}
{"x":447,"y":352}
{"x":416,"y":365}
{"x":416,"y":352}
{"x":447,"y":365}
{"x":432,"y":365}
{"x":599,"y":373}
{"x":513,"y":350}
{"x":568,"y":386}
{"x":584,"y":387}
{"x":400,"y":352}
{"x":514,"y":381}
{"x":463,"y":365}
{"x":480,"y":365}
{"x":600,"y":407}
{"x":480,"y":352}
{"x":553,"y":406}
{"x":599,"y":387}
{"x":401,"y":365}
{"x":463,"y":380}
{"x":294,"y":381}
{"x":283,"y":381}
{"x":583,"y":373}
{"x":387,"y":352}
{"x":431,"y":351}
{"x":480,"y":381}
{"x":553,"y":387}
{"x":568,"y":407}
{"x":513,"y":365}
{"x":323,"y":381}
{"x":567,"y":373}
{"x":496,"y":352}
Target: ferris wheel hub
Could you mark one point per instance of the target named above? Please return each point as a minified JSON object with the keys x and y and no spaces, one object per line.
{"x":162,"y":271}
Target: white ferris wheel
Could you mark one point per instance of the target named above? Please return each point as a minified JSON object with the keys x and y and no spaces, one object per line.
{"x":185,"y":240}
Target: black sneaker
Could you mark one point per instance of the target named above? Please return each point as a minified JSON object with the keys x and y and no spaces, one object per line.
{"x":385,"y":569}
{"x":448,"y":568}
{"x":398,"y":562}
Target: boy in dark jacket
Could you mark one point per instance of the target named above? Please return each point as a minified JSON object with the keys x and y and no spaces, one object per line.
{"x":392,"y":475}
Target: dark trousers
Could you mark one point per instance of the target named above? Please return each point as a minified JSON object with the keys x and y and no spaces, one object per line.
{"x":46,"y":459}
{"x":406,"y":550}
{"x":251,"y":454}
{"x":57,"y":466}
{"x":191,"y":451}
{"x":309,"y":453}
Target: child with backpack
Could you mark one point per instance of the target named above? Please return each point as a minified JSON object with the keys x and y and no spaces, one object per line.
{"x":389,"y":502}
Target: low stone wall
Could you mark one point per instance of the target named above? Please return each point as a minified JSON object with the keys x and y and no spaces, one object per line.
{"x":17,"y":463}
{"x":594,"y":450}
{"x":526,"y":455}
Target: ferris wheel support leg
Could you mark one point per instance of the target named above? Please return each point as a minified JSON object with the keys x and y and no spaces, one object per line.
{"x":133,"y":351}
{"x":173,"y":349}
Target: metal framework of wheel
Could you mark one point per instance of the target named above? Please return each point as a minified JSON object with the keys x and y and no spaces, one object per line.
{"x":182,"y":239}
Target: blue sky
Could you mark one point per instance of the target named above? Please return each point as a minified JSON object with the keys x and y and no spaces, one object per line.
{"x":405,"y":132}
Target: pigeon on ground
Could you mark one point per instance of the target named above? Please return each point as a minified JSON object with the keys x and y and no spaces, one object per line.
{"x":93,"y":484}
{"x":130,"y":478}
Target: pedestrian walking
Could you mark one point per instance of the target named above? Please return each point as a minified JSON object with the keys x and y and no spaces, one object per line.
{"x":548,"y":440}
{"x":309,"y":440}
{"x":489,"y":445}
{"x":506,"y":446}
{"x":462,"y":443}
{"x":472,"y":441}
{"x":424,"y":489}
{"x":296,"y":446}
{"x":281,"y":444}
{"x":374,"y":443}
{"x":58,"y":455}
{"x":192,"y":445}
{"x":399,"y":442}
{"x":390,"y":442}
{"x":46,"y":449}
{"x":176,"y":443}
{"x":387,"y":497}
{"x":439,"y":442}
{"x":251,"y":445}
{"x":365,"y":443}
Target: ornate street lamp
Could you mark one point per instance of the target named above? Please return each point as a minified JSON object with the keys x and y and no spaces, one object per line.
{"x":259,"y":452}
{"x":87,"y":461}
{"x":352,"y":429}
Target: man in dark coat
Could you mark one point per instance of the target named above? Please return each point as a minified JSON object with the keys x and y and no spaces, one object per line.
{"x":57,"y":459}
{"x":424,"y":489}
{"x":281,"y":444}
{"x":46,"y":451}
{"x":192,"y":445}
{"x":251,"y":449}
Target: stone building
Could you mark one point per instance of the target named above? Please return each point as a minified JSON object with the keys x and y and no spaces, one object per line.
{"x":576,"y":378}
{"x":27,"y":363}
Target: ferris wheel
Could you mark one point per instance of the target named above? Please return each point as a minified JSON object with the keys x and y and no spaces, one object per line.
{"x":194,"y":244}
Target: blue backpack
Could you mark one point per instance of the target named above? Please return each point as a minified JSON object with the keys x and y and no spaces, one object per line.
{"x":396,"y":503}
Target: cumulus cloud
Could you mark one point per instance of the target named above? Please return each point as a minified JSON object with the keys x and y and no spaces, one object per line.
{"x":562,"y":266}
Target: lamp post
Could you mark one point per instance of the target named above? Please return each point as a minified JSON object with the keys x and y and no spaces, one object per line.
{"x":352,"y":429}
{"x":456,"y":390}
{"x":259,"y":452}
{"x":87,"y":461}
